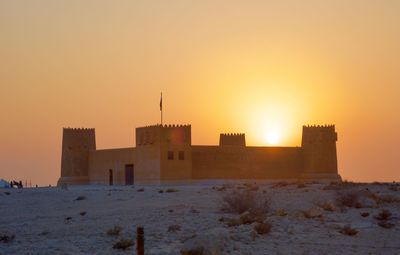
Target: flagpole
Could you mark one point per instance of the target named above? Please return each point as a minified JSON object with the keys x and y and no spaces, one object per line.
{"x":161,"y":109}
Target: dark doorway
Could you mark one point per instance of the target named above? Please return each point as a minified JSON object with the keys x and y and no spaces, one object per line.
{"x":129,"y":177}
{"x":110,"y":177}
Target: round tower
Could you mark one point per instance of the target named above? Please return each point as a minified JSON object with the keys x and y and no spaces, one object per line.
{"x":76,"y":145}
{"x":319,"y":152}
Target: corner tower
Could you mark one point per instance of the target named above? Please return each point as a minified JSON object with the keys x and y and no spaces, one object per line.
{"x":232,"y":140}
{"x":319,"y":152}
{"x":76,"y":144}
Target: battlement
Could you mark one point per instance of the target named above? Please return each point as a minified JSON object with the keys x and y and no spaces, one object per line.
{"x":157,"y":134}
{"x":68,"y":129}
{"x":176,"y":126}
{"x":321,"y":133}
{"x":232,"y":139}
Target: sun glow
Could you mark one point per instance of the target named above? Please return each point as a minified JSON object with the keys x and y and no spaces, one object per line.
{"x":272,"y":138}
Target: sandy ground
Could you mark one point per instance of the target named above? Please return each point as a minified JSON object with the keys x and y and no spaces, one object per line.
{"x":48,"y":220}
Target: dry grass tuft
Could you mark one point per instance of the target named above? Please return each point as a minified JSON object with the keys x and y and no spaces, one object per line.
{"x":348,"y":230}
{"x":263,"y":228}
{"x":301,"y":185}
{"x":280,"y":185}
{"x":314,"y":212}
{"x":123,"y":244}
{"x":240,"y":201}
{"x":281,"y":212}
{"x":172,"y":190}
{"x":383,"y":199}
{"x":327,"y":206}
{"x":6,"y":238}
{"x":80,"y":198}
{"x":384,"y":215}
{"x":348,"y":198}
{"x":115,"y":231}
{"x":174,"y":228}
{"x":386,"y":224}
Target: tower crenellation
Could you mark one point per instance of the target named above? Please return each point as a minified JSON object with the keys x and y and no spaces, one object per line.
{"x":232,"y":139}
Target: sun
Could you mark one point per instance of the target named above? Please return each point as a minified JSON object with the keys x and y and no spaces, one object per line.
{"x":272,"y":138}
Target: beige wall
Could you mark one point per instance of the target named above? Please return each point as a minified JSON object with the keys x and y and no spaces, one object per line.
{"x":101,"y":161}
{"x":148,"y":154}
{"x":234,"y":162}
{"x":176,"y":139}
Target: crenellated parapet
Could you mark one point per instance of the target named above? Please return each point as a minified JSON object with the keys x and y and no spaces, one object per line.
{"x":232,"y":139}
{"x":320,"y":133}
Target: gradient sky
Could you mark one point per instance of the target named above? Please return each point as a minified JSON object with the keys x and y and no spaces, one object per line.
{"x":224,"y":66}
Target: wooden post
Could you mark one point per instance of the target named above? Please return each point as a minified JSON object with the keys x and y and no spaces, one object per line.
{"x":140,"y":241}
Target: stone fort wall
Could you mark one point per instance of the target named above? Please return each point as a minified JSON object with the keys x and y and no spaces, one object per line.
{"x":165,"y":154}
{"x":223,"y":162}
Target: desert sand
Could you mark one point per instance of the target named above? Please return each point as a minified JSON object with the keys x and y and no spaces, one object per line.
{"x":305,"y":218}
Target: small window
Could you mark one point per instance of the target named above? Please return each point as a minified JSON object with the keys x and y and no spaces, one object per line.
{"x":170,"y":155}
{"x":181,"y":155}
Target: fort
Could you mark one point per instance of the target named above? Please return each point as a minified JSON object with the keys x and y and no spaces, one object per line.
{"x":165,"y":154}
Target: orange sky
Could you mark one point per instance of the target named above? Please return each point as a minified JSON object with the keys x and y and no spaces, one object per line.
{"x":223,"y":66}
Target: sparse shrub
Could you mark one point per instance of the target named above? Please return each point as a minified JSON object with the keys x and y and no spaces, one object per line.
{"x":123,"y":244}
{"x":240,"y":201}
{"x":115,"y":231}
{"x":348,"y":198}
{"x":280,"y":184}
{"x":172,"y":190}
{"x":82,"y":213}
{"x":246,"y":218}
{"x":364,"y":214}
{"x":174,"y":228}
{"x":194,"y":211}
{"x":80,"y":198}
{"x":383,"y":199}
{"x":263,"y":228}
{"x":6,"y":238}
{"x":327,"y":206}
{"x":312,"y":213}
{"x":384,"y":215}
{"x":301,"y":185}
{"x":385,"y":224}
{"x":44,"y":233}
{"x":348,"y":230}
{"x":394,"y":187}
{"x":251,"y":186}
{"x":140,"y":190}
{"x":223,"y":188}
{"x":280,"y":212}
{"x":232,"y":222}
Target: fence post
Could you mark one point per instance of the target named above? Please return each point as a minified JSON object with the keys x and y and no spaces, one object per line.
{"x":140,"y":241}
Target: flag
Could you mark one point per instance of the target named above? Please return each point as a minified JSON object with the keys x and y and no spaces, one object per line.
{"x":161,"y":103}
